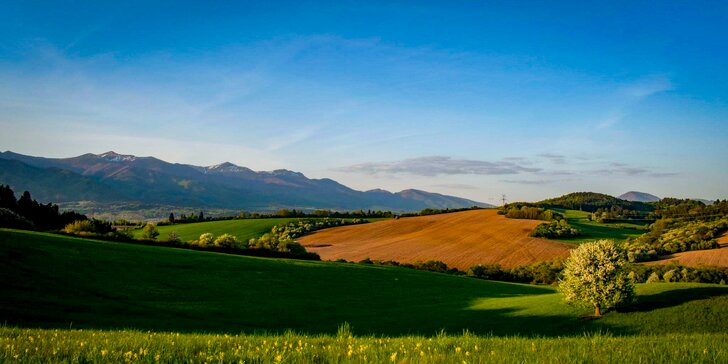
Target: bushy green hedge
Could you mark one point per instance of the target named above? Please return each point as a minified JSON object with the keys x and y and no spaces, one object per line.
{"x":555,"y":229}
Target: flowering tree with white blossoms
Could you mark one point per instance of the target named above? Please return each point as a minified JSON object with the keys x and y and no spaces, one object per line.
{"x":595,"y":276}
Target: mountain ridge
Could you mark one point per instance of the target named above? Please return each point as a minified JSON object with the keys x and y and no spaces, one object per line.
{"x":131,"y":178}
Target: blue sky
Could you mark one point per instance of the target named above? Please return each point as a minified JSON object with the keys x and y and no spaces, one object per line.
{"x":476,"y":99}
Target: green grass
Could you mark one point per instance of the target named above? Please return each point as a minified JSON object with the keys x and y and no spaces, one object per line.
{"x":593,"y":230}
{"x":243,"y":229}
{"x":86,"y":346}
{"x":52,"y":281}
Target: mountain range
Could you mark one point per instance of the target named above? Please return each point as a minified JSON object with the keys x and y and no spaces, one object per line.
{"x":112,"y":178}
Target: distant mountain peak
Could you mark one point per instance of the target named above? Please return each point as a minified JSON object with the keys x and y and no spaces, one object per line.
{"x":639,"y":196}
{"x":286,"y":172}
{"x":112,"y":156}
{"x":227,"y":167}
{"x":379,"y":190}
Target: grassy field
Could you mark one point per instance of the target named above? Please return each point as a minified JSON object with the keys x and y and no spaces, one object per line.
{"x":244,"y":229}
{"x":83,"y":346}
{"x":593,"y":230}
{"x":59,"y":282}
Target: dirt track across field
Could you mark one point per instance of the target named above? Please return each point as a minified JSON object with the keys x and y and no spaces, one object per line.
{"x":716,"y":257}
{"x":460,"y":239}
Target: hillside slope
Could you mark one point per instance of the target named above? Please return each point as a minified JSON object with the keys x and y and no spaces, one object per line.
{"x":461,"y":240}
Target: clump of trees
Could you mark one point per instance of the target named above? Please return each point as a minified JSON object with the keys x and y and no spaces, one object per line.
{"x":268,"y":245}
{"x":547,"y":272}
{"x":687,"y":209}
{"x":530,"y":212}
{"x":668,"y":236}
{"x":95,"y":228}
{"x":40,"y":216}
{"x":617,"y":213}
{"x":555,"y":229}
{"x":595,"y":275}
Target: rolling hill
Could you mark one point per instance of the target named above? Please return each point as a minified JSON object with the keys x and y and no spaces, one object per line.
{"x":460,"y":239}
{"x":114,"y":177}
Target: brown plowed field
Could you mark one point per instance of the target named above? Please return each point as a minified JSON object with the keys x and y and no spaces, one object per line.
{"x":460,"y":239}
{"x":716,"y":257}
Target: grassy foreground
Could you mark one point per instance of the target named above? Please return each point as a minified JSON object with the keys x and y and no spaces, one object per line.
{"x":79,"y":346}
{"x":52,"y":281}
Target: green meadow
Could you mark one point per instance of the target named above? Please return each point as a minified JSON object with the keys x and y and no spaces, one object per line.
{"x":243,"y":229}
{"x":592,"y":230}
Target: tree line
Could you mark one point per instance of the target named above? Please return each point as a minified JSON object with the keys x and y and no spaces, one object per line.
{"x":27,"y":213}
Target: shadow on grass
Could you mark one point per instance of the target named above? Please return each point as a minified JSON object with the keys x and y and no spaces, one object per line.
{"x":673,"y":298}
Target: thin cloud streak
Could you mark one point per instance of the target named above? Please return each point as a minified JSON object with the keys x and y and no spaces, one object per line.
{"x":438,"y":165}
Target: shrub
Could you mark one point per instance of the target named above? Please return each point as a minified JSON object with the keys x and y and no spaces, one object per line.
{"x":78,"y":227}
{"x":173,"y":237}
{"x":226,"y":241}
{"x":671,"y":276}
{"x":654,"y":278}
{"x":206,"y":239}
{"x":150,"y":232}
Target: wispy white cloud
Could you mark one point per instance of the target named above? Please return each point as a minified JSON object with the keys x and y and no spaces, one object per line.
{"x":554,"y":158}
{"x":437,"y":165}
{"x":531,"y":181}
{"x":454,"y":186}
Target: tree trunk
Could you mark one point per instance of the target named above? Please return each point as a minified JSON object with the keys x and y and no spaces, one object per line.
{"x":597,"y":312}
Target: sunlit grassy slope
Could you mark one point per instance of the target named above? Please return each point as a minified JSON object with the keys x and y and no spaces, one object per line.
{"x":55,"y":281}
